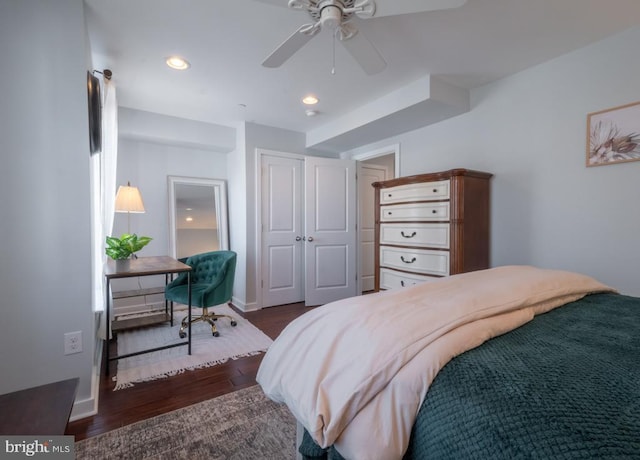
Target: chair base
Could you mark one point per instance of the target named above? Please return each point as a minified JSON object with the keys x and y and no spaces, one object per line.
{"x":210,"y":318}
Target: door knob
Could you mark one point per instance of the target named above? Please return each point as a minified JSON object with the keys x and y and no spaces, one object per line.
{"x":310,"y":239}
{"x":298,"y":238}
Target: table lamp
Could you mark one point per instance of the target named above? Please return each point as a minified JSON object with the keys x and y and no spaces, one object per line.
{"x":129,"y":200}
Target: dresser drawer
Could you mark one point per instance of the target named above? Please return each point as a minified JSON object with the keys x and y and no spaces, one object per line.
{"x":415,"y":260}
{"x":422,"y":235}
{"x":391,"y":279}
{"x":415,"y":211}
{"x":411,"y":192}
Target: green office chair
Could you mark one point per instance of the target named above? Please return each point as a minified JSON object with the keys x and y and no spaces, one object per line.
{"x":212,"y":277}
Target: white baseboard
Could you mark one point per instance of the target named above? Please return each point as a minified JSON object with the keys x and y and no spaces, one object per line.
{"x":244,"y":307}
{"x":88,"y":407}
{"x":85,"y":408}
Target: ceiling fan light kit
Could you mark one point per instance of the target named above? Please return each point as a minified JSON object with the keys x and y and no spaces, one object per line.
{"x":331,"y":17}
{"x":336,"y":15}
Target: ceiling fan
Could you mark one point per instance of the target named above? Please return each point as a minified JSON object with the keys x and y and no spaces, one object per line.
{"x":337,"y":15}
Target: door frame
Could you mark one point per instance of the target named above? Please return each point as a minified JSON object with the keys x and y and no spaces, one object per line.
{"x":362,"y":167}
{"x":393,"y":149}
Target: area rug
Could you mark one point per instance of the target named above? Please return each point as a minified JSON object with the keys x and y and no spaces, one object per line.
{"x":244,"y":424}
{"x":234,"y":342}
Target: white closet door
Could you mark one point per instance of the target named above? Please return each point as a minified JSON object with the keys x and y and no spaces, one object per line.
{"x":330,"y":230}
{"x":282,"y":245}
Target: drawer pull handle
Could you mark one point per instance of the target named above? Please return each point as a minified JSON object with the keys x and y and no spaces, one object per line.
{"x":389,"y":213}
{"x":407,"y":261}
{"x":407,"y":236}
{"x":435,"y":190}
{"x":389,"y":195}
{"x":434,"y":211}
{"x":402,"y":283}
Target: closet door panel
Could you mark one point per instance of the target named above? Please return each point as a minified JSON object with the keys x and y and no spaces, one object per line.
{"x":282,"y":250}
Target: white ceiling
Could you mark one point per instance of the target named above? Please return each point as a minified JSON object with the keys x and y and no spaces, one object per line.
{"x":226,"y":42}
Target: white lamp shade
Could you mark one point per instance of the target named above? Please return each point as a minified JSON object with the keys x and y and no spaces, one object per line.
{"x":128,"y":199}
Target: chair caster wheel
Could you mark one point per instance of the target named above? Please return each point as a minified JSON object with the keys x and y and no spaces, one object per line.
{"x":182,"y":334}
{"x":216,"y":334}
{"x":234,"y":323}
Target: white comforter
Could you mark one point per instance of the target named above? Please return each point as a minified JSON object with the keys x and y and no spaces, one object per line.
{"x":354,"y":372}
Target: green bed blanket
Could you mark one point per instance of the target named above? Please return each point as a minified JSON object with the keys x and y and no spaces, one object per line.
{"x":564,"y":386}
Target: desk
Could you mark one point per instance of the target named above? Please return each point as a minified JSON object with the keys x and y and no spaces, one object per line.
{"x":145,"y":266}
{"x":42,"y":410}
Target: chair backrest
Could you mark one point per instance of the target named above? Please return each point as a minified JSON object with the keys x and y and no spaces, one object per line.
{"x":208,"y":265}
{"x":212,"y":277}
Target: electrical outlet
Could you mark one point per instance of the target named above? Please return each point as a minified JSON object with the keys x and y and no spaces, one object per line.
{"x":72,"y":342}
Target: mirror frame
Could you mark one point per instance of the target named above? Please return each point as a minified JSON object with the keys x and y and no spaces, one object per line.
{"x":220,"y":189}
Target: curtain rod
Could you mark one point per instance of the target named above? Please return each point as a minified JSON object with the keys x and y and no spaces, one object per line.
{"x":106,"y":73}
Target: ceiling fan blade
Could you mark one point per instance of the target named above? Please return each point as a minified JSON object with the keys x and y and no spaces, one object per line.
{"x":274,"y":2}
{"x":293,"y":4}
{"x":364,"y":53}
{"x":396,"y":7}
{"x":292,"y":44}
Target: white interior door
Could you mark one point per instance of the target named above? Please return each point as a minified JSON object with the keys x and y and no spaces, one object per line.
{"x":367,"y":175}
{"x":330,"y":230}
{"x":282,"y":231}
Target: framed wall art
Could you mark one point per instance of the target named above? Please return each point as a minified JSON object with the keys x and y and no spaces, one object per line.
{"x":95,"y":114}
{"x":613,"y":135}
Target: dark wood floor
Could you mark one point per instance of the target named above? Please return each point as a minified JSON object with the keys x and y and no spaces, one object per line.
{"x":148,"y":399}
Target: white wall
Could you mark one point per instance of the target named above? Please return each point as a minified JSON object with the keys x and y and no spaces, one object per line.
{"x":147,"y":165}
{"x":237,"y":197}
{"x":155,"y":127}
{"x":529,"y":130}
{"x":45,"y":255}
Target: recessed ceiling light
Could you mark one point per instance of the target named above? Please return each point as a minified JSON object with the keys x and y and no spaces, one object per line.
{"x":310,"y":99}
{"x":311,"y":113}
{"x":189,"y":219}
{"x":178,"y":63}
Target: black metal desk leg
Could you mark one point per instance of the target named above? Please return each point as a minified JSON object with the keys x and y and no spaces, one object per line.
{"x":166,"y":302}
{"x":189,"y":306}
{"x":107,"y":326}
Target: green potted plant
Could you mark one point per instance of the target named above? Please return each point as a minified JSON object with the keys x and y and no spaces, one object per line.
{"x":121,"y":249}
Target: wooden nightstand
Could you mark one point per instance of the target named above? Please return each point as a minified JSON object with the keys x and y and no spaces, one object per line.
{"x":42,"y":410}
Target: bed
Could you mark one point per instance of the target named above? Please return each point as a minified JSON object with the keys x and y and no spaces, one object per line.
{"x":511,"y":362}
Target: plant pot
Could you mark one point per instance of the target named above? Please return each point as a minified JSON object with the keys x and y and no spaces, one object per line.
{"x":122,"y":265}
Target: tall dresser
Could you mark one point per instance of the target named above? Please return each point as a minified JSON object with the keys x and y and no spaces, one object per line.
{"x":431,"y":225}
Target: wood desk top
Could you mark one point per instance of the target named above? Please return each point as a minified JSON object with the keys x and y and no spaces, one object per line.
{"x":142,"y":266}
